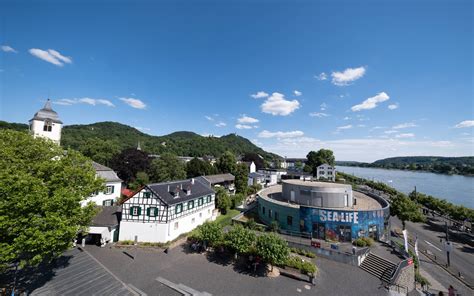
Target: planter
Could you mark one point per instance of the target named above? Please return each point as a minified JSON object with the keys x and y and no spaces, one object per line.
{"x":296,"y":274}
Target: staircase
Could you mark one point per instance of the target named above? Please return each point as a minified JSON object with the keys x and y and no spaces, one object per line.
{"x":379,"y":267}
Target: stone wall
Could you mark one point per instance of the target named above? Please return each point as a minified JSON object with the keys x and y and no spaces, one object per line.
{"x":406,"y":278}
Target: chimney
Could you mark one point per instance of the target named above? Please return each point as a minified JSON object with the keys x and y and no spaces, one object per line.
{"x":192,"y":181}
{"x":188,"y":190}
{"x":168,"y":188}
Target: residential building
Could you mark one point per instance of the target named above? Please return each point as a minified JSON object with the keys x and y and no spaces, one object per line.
{"x":256,"y":178}
{"x":220,"y":180}
{"x":293,"y":163}
{"x":251,"y":166}
{"x":326,"y":172}
{"x":272,"y":176}
{"x":105,"y":225}
{"x":161,"y":212}
{"x":46,"y":124}
{"x":113,"y":187}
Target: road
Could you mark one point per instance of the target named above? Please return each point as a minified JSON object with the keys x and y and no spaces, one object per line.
{"x":461,"y":257}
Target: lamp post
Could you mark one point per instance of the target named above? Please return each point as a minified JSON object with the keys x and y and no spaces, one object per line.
{"x":448,"y":244}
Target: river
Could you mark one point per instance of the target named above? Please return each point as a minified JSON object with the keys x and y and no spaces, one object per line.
{"x":456,"y":189}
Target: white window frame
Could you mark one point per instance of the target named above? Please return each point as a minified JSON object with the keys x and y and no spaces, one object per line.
{"x":135,"y":211}
{"x":109,"y":189}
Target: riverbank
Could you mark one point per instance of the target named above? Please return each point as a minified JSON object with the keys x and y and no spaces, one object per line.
{"x":449,"y":173}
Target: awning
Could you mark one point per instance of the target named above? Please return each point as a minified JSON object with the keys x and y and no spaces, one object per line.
{"x":98,"y":230}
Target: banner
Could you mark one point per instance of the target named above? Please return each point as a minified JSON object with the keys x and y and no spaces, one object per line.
{"x":416,"y":246}
{"x":405,"y":237}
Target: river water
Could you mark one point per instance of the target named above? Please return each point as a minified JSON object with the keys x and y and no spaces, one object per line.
{"x":456,"y":189}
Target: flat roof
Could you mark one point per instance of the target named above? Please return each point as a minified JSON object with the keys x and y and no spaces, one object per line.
{"x":315,"y":183}
{"x":364,"y":202}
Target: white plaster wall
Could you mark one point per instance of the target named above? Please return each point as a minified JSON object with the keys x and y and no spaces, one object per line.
{"x":99,"y":198}
{"x":146,"y":232}
{"x":185,"y":223}
{"x":54,"y":134}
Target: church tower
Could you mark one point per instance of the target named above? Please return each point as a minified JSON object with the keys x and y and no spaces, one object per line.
{"x":46,"y":124}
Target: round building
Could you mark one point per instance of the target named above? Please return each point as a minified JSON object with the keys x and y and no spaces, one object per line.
{"x":328,"y":211}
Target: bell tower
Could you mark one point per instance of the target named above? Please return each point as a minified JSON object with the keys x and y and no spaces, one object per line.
{"x":46,"y":124}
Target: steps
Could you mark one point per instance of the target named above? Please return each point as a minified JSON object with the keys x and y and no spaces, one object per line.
{"x":379,"y":267}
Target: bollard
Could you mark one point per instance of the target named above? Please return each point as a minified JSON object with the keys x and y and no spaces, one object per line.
{"x":83,"y":242}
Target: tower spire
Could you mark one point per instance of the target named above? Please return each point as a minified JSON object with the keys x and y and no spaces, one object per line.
{"x":138,"y":146}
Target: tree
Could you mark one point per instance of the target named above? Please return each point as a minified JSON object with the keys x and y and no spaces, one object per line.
{"x":226,"y":163}
{"x":241,"y":174}
{"x":223,"y":200}
{"x":316,"y":159}
{"x":211,"y":233}
{"x":405,"y":209}
{"x":141,"y":180}
{"x":256,"y":158}
{"x":41,"y":188}
{"x":197,"y":167}
{"x":101,"y":151}
{"x":129,"y":162}
{"x":237,"y":200}
{"x":167,"y":168}
{"x":240,"y":239}
{"x":272,"y":248}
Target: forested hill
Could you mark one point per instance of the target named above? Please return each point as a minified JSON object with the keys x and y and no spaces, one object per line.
{"x":181,"y":143}
{"x":436,"y":164}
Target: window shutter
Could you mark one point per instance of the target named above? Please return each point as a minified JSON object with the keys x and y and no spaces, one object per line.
{"x":139,"y":211}
{"x":156,"y":212}
{"x":131,"y":211}
{"x":148,"y":212}
{"x":113,"y":187}
{"x":103,"y":202}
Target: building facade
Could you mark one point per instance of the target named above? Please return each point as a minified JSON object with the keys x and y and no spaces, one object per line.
{"x":326,"y":211}
{"x":46,"y":124}
{"x":163,"y":211}
{"x":113,"y":187}
{"x":326,"y":172}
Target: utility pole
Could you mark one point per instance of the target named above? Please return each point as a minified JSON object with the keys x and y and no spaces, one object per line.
{"x":448,"y":244}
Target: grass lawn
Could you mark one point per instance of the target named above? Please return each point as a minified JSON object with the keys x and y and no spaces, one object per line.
{"x":226,"y":219}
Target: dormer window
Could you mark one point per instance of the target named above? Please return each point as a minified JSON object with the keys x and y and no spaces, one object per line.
{"x":48,"y":126}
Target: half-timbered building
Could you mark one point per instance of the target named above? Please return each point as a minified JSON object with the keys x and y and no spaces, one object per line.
{"x":161,"y":212}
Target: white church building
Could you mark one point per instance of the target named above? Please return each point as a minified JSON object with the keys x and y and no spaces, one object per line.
{"x":161,"y":212}
{"x":46,"y":124}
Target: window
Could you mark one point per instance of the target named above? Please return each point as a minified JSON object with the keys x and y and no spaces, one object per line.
{"x":190,"y":204}
{"x":276,"y":216}
{"x":176,"y":225}
{"x":152,"y":212}
{"x":48,"y":126}
{"x":209,"y":198}
{"x":289,"y":220}
{"x":263,"y":210}
{"x":146,"y":194}
{"x":135,"y":211}
{"x":200,"y":201}
{"x":305,"y":192}
{"x":270,"y":213}
{"x":109,"y":190}
{"x":193,"y":220}
{"x":108,"y":202}
{"x":178,"y":208}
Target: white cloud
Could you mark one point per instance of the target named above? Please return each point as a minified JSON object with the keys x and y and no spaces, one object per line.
{"x":393,"y":106}
{"x":344,"y":127}
{"x":361,"y":125}
{"x":134,"y":103}
{"x":371,"y":102}
{"x":390,"y":132}
{"x":321,"y":76}
{"x":346,"y":118}
{"x":246,"y":119}
{"x":465,"y":123}
{"x":221,"y":124}
{"x":404,"y":125}
{"x":404,"y":136}
{"x":51,"y":56}
{"x":297,"y":93}
{"x":7,"y":48}
{"x":259,"y":95}
{"x":243,"y":126}
{"x":291,"y":134}
{"x":88,"y":101}
{"x":276,"y":104}
{"x":347,"y":76}
{"x":323,"y":106}
{"x":209,"y":118}
{"x":318,"y":114}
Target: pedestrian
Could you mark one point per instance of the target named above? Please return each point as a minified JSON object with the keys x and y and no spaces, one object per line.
{"x":451,"y":290}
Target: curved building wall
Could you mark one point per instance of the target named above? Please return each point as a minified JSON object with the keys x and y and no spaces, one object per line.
{"x":323,"y":195}
{"x":287,"y":216}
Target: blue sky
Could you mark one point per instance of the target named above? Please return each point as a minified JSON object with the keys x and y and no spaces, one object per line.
{"x":369,"y":80}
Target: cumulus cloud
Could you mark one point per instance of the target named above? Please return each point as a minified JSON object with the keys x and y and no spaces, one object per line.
{"x":7,"y":48}
{"x":404,"y":125}
{"x":88,"y":101}
{"x":134,"y":103}
{"x":321,"y":76}
{"x":371,"y":102}
{"x":209,"y":118}
{"x":291,"y":134}
{"x":404,"y":136}
{"x":246,"y":119}
{"x":51,"y":56}
{"x":465,"y":123}
{"x":221,"y":124}
{"x":297,"y":93}
{"x":259,"y":95}
{"x":243,"y":126}
{"x":390,"y":132}
{"x":346,"y":118}
{"x":344,"y":127}
{"x":318,"y":114}
{"x":347,"y":76}
{"x":393,"y":106}
{"x":276,"y":104}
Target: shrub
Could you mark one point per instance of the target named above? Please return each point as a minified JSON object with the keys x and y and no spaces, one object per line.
{"x":363,"y":242}
{"x":126,"y":242}
{"x":303,"y":252}
{"x":421,"y":280}
{"x":251,"y":224}
{"x":274,"y":226}
{"x":305,"y":267}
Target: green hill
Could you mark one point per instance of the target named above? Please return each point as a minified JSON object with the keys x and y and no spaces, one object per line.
{"x":182,"y":143}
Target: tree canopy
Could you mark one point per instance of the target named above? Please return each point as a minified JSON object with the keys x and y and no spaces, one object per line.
{"x":315,"y":159}
{"x":272,"y":248}
{"x":227,"y":163}
{"x":129,"y":162}
{"x":101,"y":151}
{"x":196,"y":167}
{"x":167,"y":168}
{"x":41,"y":187}
{"x":405,"y":209}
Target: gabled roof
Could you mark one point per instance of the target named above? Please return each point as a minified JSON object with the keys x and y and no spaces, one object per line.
{"x":107,"y":216}
{"x":47,"y":113}
{"x":220,"y":178}
{"x":105,"y":172}
{"x":177,"y":191}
